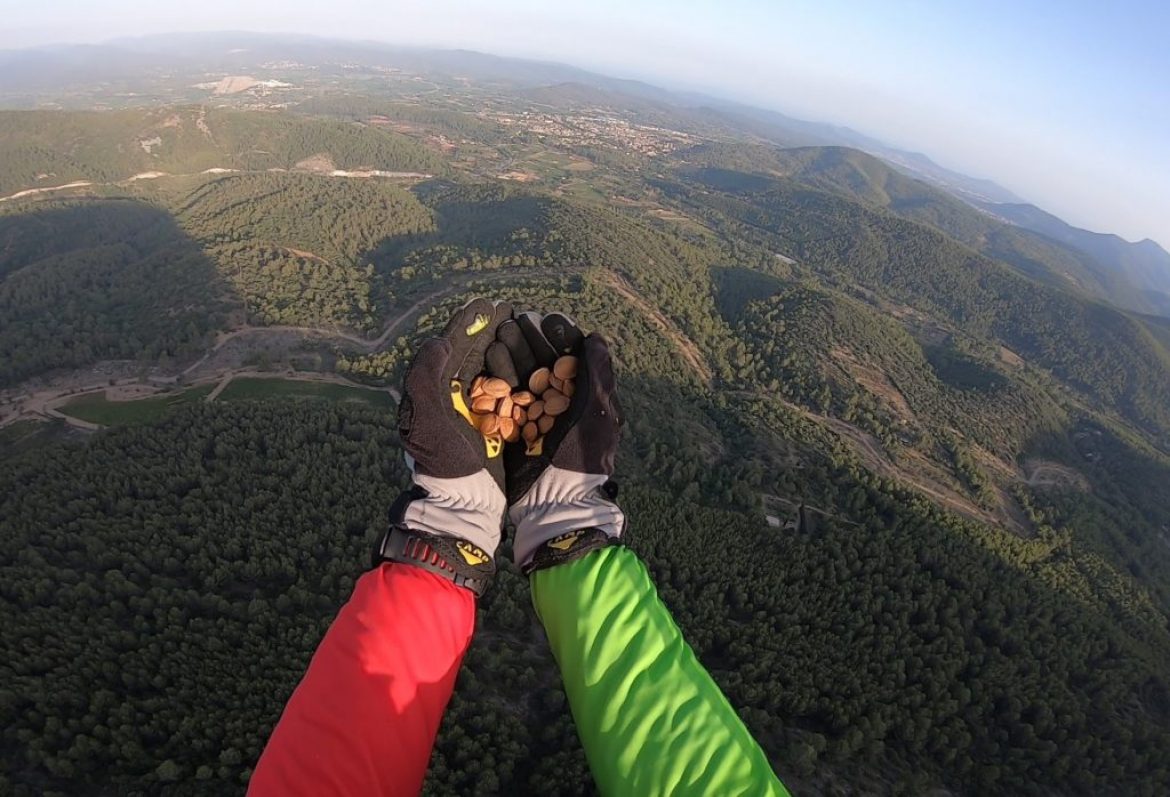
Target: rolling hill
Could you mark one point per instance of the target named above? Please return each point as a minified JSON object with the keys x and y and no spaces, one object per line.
{"x":1094,"y":347}
{"x":40,"y":149}
{"x":112,"y":279}
{"x":1145,"y":264}
{"x":981,"y":606}
{"x":861,"y":177}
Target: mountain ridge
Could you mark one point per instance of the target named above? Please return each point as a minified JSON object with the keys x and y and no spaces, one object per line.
{"x":860,"y":176}
{"x":799,"y":332}
{"x":1144,"y":262}
{"x":105,"y":59}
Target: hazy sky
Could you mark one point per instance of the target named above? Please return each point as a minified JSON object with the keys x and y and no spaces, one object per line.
{"x":1065,"y":102}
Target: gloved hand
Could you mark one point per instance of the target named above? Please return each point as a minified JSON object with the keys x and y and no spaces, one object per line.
{"x":560,"y":496}
{"x":457,"y":501}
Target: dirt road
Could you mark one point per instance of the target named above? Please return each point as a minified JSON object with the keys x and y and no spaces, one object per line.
{"x":393,"y":327}
{"x":686,"y":347}
{"x":915,"y":472}
{"x":43,"y":403}
{"x":46,"y":190}
{"x":155,"y":175}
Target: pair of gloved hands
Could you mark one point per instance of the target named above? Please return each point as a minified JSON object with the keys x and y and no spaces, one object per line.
{"x":559,"y":497}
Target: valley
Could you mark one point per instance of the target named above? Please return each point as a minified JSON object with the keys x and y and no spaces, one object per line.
{"x":211,"y":287}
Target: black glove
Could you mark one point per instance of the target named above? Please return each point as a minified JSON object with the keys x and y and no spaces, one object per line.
{"x":458,"y":475}
{"x":560,"y":496}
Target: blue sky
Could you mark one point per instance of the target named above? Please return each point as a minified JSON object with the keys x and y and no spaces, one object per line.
{"x":1065,"y":103}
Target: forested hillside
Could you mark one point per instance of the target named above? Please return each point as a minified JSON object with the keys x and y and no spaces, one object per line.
{"x":100,"y":279}
{"x":49,"y":148}
{"x":980,"y":605}
{"x":1105,"y":273}
{"x":903,"y":649}
{"x":1145,"y":263}
{"x":297,"y":247}
{"x":867,"y":369}
{"x":1108,"y":354}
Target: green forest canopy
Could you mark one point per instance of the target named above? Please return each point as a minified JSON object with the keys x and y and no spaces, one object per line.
{"x":899,"y":645}
{"x":206,"y":555}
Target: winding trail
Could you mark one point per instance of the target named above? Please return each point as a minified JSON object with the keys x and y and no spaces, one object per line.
{"x":687,"y":348}
{"x":44,"y":403}
{"x":219,"y":388}
{"x":217,"y":170}
{"x":874,"y":458}
{"x":46,"y":190}
{"x":392,"y":327}
{"x":328,"y":334}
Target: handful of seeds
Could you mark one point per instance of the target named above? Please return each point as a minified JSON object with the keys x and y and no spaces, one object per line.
{"x":500,"y":412}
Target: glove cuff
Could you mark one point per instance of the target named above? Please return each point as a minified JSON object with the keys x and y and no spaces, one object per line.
{"x":567,"y":547}
{"x":469,"y":507}
{"x":454,"y":559}
{"x":560,"y":503}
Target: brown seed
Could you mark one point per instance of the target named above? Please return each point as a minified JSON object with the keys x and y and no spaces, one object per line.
{"x":508,"y":430}
{"x":535,"y":410}
{"x":483,"y":404}
{"x":490,"y":425}
{"x":555,"y":382}
{"x":545,"y":423}
{"x":538,"y":382}
{"x":565,"y":367}
{"x":569,"y":387}
{"x":477,"y":386}
{"x":504,"y":410}
{"x":496,"y":387}
{"x":555,"y":403}
{"x":523,"y":398}
{"x":530,"y":432}
{"x":519,"y":415}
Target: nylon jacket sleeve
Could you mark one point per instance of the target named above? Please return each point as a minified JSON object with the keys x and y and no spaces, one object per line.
{"x":649,"y":716}
{"x":364,"y":718}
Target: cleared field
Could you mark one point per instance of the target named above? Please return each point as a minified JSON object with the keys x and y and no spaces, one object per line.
{"x":27,"y":435}
{"x":96,"y":408}
{"x":261,"y":388}
{"x":579,"y":189}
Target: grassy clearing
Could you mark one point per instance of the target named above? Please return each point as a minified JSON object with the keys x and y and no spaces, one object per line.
{"x":96,"y":408}
{"x":262,"y":388}
{"x":26,"y":435}
{"x":579,"y":189}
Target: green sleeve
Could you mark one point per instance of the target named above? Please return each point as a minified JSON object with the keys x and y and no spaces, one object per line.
{"x":649,"y":716}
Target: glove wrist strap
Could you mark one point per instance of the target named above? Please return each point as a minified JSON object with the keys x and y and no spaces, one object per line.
{"x":567,"y":547}
{"x":457,"y":560}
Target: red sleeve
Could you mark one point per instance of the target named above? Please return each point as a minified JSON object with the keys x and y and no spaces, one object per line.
{"x":364,"y":718}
